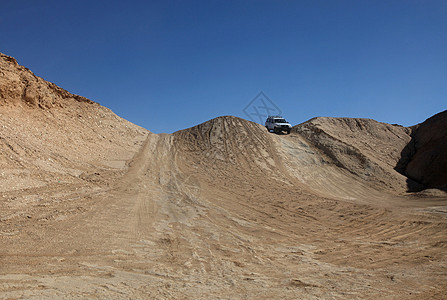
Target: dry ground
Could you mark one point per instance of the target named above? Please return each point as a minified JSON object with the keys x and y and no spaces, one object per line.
{"x":176,"y":226}
{"x":92,"y":206}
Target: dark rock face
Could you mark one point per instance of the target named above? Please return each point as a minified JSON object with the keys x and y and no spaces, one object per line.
{"x":425,"y":158}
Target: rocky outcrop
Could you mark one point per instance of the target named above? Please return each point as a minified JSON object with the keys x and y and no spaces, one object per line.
{"x":424,"y":159}
{"x":19,"y":86}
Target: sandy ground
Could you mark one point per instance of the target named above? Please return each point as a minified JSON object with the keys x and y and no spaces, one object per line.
{"x":92,"y":206}
{"x":183,"y":224}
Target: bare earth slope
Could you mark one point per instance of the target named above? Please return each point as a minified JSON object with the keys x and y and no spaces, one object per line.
{"x":92,"y":206}
{"x":55,"y":147}
{"x":366,"y":148}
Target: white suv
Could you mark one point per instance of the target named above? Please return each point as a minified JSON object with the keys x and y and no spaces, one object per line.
{"x":277,"y":124}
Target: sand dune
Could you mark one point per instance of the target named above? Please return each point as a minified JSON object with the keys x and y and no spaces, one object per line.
{"x":92,"y":206}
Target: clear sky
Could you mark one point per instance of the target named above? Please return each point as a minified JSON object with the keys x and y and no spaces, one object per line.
{"x":169,"y":65}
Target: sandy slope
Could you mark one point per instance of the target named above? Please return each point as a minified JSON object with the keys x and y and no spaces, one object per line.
{"x":221,"y":210}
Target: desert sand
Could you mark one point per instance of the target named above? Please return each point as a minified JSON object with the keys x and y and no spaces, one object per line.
{"x":93,"y":206}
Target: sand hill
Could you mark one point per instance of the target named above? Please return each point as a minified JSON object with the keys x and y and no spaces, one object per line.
{"x":92,"y":206}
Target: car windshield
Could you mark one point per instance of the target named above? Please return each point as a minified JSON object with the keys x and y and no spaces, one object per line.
{"x":280,"y":121}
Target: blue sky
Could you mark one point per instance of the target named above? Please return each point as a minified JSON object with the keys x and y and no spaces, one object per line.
{"x":169,"y":65}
